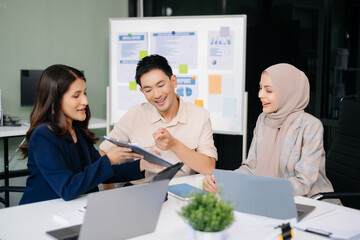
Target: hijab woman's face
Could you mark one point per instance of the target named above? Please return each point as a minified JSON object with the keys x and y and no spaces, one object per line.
{"x":74,"y":101}
{"x":267,"y":94}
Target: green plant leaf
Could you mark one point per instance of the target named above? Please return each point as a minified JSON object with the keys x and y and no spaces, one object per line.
{"x":207,"y":212}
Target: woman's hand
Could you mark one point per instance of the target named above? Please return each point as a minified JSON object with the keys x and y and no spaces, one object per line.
{"x":154,"y":168}
{"x":145,"y":165}
{"x":120,"y":154}
{"x":154,"y":151}
{"x":209,"y":184}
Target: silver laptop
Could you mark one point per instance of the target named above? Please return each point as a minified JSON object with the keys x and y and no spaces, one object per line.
{"x":120,"y":213}
{"x":265,"y":196}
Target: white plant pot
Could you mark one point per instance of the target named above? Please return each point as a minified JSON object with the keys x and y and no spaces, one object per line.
{"x":199,"y":235}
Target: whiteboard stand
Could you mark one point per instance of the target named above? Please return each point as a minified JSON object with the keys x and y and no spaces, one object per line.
{"x":245,"y":125}
{"x":140,"y":9}
{"x":107,"y":110}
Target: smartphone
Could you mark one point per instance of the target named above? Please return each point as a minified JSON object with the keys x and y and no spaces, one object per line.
{"x":183,"y":191}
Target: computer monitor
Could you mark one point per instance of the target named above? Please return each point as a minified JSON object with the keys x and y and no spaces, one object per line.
{"x":28,"y":85}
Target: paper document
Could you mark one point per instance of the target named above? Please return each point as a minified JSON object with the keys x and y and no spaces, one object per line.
{"x":70,"y":217}
{"x":337,"y":224}
{"x":255,"y":227}
{"x":148,"y":156}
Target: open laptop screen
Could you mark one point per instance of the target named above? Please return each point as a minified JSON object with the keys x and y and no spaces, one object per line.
{"x":265,"y":196}
{"x":119,"y":213}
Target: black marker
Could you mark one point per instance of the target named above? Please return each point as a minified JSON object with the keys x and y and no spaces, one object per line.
{"x":318,"y":231}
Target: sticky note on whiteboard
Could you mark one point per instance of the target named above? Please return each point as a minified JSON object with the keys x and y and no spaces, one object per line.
{"x":229,"y":108}
{"x":183,"y":68}
{"x":214,"y":84}
{"x":199,"y":102}
{"x":142,"y":54}
{"x":224,"y":31}
{"x":132,"y":85}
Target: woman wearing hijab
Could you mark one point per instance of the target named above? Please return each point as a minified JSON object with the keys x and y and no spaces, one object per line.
{"x":287,"y":142}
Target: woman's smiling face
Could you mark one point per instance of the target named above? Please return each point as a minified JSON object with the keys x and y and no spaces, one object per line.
{"x":267,"y":94}
{"x":74,"y":101}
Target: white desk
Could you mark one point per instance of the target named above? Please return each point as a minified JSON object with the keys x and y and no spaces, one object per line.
{"x":15,"y":131}
{"x":33,"y":220}
{"x":12,"y":131}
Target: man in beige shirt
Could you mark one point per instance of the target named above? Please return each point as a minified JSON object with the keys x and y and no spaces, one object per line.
{"x":179,"y":131}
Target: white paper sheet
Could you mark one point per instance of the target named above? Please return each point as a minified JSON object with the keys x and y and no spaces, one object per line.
{"x":339,"y":223}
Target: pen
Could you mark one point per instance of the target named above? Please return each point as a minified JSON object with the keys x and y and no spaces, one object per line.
{"x":318,"y":231}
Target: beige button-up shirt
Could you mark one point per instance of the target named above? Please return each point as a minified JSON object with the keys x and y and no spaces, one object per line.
{"x":191,"y":126}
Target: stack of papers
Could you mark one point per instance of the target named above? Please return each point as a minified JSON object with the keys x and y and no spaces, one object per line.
{"x":336,"y":224}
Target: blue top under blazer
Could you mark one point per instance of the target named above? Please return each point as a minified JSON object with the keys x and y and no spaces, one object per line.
{"x":55,"y":167}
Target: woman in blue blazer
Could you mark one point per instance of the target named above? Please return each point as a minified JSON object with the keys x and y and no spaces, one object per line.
{"x":62,"y":160}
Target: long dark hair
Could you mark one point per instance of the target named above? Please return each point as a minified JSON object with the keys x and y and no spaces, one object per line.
{"x":54,"y":83}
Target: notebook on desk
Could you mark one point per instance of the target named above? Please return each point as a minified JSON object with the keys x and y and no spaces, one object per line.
{"x":265,"y":196}
{"x":120,"y":213}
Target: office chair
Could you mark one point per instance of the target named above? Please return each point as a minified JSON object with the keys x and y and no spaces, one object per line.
{"x":12,"y":189}
{"x":7,"y":175}
{"x":343,"y":158}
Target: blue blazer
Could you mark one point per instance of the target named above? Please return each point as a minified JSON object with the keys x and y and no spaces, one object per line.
{"x":56,"y":172}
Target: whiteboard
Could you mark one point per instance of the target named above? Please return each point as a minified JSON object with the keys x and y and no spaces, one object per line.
{"x":206,"y":53}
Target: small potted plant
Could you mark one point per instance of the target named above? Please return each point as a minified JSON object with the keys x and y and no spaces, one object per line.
{"x":208,"y":215}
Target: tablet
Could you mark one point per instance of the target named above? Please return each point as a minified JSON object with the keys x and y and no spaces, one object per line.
{"x":148,"y":156}
{"x":184,"y":191}
{"x":168,"y":173}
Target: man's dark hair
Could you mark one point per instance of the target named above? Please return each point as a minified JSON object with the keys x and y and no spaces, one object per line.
{"x":152,"y":62}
